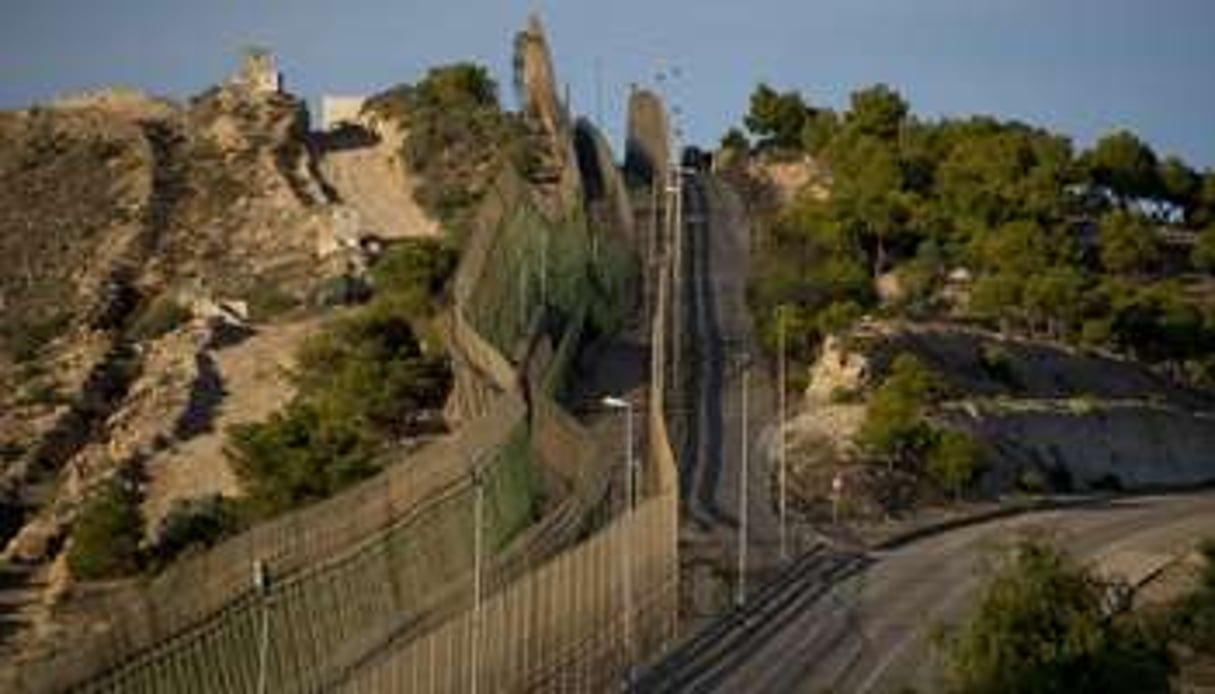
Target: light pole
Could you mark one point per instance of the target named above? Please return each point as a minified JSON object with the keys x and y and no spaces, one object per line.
{"x":743,"y":476}
{"x":474,"y":647}
{"x":261,"y":582}
{"x":674,"y":221}
{"x":781,"y":455}
{"x":626,"y":567}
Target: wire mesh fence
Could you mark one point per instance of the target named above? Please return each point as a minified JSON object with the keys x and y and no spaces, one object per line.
{"x":373,"y":590}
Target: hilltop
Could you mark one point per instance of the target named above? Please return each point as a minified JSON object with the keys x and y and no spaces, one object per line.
{"x":976,"y":305}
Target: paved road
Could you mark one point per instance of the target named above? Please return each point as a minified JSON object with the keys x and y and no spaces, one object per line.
{"x":872,"y":631}
{"x":719,"y":329}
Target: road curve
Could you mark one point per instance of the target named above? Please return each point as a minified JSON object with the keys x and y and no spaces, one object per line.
{"x":871,"y":630}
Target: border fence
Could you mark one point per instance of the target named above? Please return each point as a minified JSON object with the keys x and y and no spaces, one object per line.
{"x":582,"y":620}
{"x":367,"y":592}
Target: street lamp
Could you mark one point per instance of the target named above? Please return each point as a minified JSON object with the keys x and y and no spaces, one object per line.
{"x":626,"y":568}
{"x":474,"y":665}
{"x":261,"y":583}
{"x":781,"y":453}
{"x":743,"y":476}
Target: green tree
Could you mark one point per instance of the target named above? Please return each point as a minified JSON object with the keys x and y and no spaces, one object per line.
{"x":820,"y":128}
{"x":868,"y":195}
{"x":1125,"y":165}
{"x":1042,"y":625}
{"x":777,"y":118}
{"x":460,"y":85}
{"x":1203,"y":213}
{"x":105,"y":538}
{"x":1056,"y":300}
{"x":878,"y":111}
{"x":954,"y":460}
{"x":735,"y":141}
{"x":997,"y":297}
{"x":1021,"y":247}
{"x":993,"y":173}
{"x":1179,"y":184}
{"x":1128,"y":244}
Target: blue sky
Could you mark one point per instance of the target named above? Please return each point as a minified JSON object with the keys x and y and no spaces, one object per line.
{"x":1079,"y":66}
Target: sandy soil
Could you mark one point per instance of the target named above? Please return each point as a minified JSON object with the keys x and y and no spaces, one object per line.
{"x":255,"y":384}
{"x":370,"y":180}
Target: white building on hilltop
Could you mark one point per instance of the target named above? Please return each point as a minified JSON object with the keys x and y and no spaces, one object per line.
{"x":337,"y":111}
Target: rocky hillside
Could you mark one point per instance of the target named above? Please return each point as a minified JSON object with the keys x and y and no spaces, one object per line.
{"x":1045,"y":416}
{"x":142,"y":239}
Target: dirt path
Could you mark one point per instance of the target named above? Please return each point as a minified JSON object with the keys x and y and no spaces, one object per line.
{"x":369,"y":180}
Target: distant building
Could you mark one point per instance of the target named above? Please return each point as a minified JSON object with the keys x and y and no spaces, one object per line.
{"x":337,"y":111}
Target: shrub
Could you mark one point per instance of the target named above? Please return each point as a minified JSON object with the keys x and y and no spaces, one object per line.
{"x":297,"y":456}
{"x":343,"y":290}
{"x":894,"y":428}
{"x":23,"y":340}
{"x":410,"y":275}
{"x":267,"y":301}
{"x":162,"y":315}
{"x":1031,"y":481}
{"x":44,"y":393}
{"x":1043,"y":625}
{"x":997,"y":364}
{"x":105,"y":539}
{"x":1194,"y":618}
{"x":193,"y":524}
{"x":839,"y":316}
{"x":954,"y":459}
{"x":369,"y":370}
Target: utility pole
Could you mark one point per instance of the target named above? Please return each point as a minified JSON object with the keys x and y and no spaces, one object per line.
{"x":261,"y":582}
{"x":743,"y":470}
{"x":674,"y":259}
{"x":474,"y":647}
{"x":676,"y":285}
{"x":626,"y":560}
{"x":781,"y":455}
